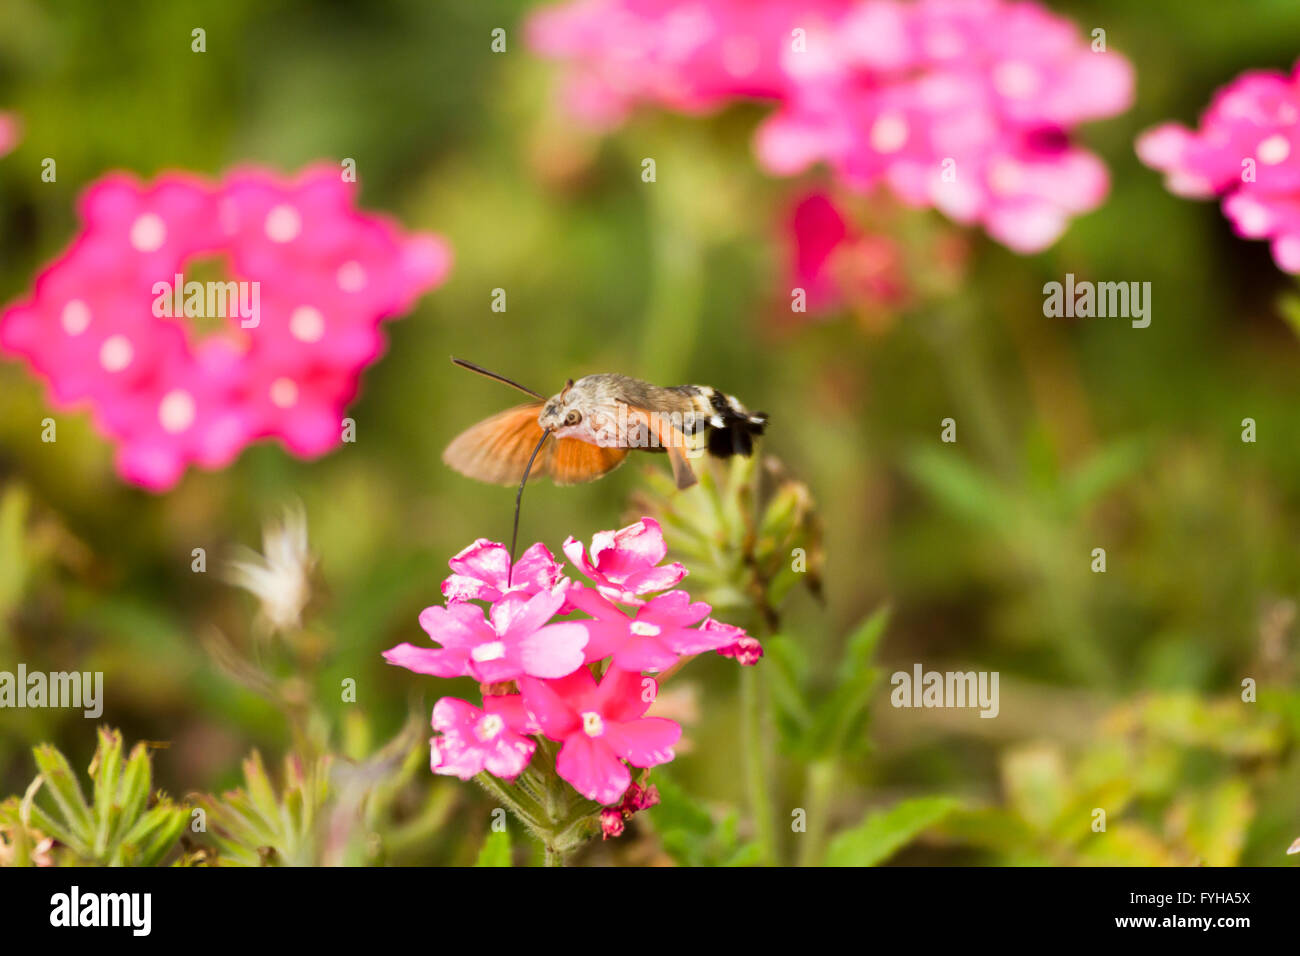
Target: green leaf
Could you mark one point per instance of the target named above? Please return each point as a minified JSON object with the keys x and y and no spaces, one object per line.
{"x":962,"y":487}
{"x":880,"y":835}
{"x":62,"y":784}
{"x":496,"y":849}
{"x":862,"y":645}
{"x":1099,"y":473}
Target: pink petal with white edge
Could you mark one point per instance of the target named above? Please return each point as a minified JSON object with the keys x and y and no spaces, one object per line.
{"x":452,"y":713}
{"x":516,"y":613}
{"x":511,"y":709}
{"x":485,"y":560}
{"x":448,"y":759}
{"x":509,"y":757}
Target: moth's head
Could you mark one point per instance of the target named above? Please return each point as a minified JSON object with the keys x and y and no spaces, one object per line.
{"x":563,"y":409}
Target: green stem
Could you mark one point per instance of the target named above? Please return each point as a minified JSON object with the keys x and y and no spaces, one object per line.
{"x":971,"y":385}
{"x":757,"y":778}
{"x":817,"y":799}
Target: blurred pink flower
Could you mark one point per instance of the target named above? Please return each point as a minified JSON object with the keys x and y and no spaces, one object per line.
{"x":833,"y":262}
{"x":624,"y":564}
{"x":317,"y":276}
{"x":514,"y":640}
{"x":652,"y":640}
{"x":600,"y":727}
{"x":963,"y":105}
{"x":482,"y":572}
{"x":687,"y":55}
{"x":1247,"y":150}
{"x":11,"y":132}
{"x":474,"y":740}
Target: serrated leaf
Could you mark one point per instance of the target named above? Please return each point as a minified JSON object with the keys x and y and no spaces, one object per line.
{"x":62,"y":785}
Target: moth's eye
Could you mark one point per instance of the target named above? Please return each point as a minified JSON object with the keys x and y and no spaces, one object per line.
{"x":573,"y":417}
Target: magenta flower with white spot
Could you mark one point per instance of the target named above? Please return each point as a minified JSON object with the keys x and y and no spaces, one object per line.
{"x":600,"y":726}
{"x":473,"y":740}
{"x":514,"y":640}
{"x":1247,"y":150}
{"x":660,"y":631}
{"x":290,"y":280}
{"x":482,"y":572}
{"x":624,"y":564}
{"x":549,"y":638}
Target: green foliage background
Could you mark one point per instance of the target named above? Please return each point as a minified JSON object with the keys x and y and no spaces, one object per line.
{"x":1119,"y":690}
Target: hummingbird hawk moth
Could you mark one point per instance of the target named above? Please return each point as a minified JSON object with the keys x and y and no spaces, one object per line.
{"x":596,"y":421}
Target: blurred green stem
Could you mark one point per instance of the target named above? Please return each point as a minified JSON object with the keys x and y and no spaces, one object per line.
{"x":756,"y":775}
{"x":822,"y":776}
{"x":972,"y":388}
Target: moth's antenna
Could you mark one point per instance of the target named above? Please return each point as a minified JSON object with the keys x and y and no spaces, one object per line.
{"x":493,"y":375}
{"x":519,"y":496}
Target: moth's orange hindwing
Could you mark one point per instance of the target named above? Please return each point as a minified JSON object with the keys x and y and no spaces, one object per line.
{"x":497,"y":449}
{"x":573,"y":462}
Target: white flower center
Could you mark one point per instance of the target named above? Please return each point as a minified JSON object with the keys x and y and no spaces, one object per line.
{"x":491,"y":651}
{"x":489,"y":727}
{"x":75,"y":317}
{"x":645,"y":629}
{"x":306,"y":324}
{"x":351,"y":276}
{"x":889,"y":133}
{"x":1016,"y":81}
{"x":116,"y":353}
{"x":1273,"y":150}
{"x":284,"y":393}
{"x":283,"y":224}
{"x":148,"y":233}
{"x":592,"y":724}
{"x":176,"y":411}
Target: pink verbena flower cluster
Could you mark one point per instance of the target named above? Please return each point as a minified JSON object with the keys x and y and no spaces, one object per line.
{"x":686,"y":55}
{"x":313,"y":277}
{"x":582,"y":681}
{"x":1247,"y":150}
{"x":963,"y":105}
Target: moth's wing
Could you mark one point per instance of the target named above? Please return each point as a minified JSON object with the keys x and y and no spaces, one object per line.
{"x":660,"y":429}
{"x":572,"y":461}
{"x":497,"y":449}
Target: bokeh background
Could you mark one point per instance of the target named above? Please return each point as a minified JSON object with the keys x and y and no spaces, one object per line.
{"x":1119,"y":690}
